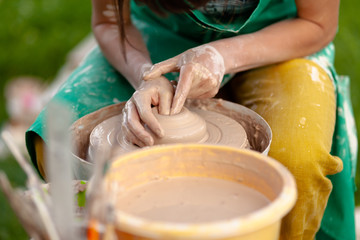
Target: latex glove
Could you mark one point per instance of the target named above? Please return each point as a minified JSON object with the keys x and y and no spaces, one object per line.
{"x":201,"y":72}
{"x":137,"y":111}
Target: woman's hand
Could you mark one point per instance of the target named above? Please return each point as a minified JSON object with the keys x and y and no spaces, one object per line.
{"x":201,"y":72}
{"x":137,"y":111}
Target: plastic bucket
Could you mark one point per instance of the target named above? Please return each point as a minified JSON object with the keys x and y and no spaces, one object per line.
{"x":247,"y":167}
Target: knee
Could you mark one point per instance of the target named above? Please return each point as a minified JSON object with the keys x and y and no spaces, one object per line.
{"x":292,"y":76}
{"x":301,"y":69}
{"x":301,"y":78}
{"x":299,"y":83}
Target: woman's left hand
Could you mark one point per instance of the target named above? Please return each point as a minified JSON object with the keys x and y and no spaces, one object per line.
{"x":201,"y":72}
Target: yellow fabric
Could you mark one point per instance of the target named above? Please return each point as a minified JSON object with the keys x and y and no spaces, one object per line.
{"x":39,"y":149}
{"x":297,"y":99}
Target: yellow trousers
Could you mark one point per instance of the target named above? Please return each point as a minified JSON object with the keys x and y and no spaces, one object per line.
{"x":297,"y":99}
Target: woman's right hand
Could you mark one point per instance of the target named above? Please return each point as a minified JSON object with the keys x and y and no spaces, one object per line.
{"x":137,"y":111}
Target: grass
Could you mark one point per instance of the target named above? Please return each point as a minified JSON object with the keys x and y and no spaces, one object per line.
{"x":347,"y":60}
{"x":36,"y":35}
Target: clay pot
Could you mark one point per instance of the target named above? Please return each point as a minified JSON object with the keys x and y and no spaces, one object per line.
{"x":258,"y":131}
{"x":247,"y":167}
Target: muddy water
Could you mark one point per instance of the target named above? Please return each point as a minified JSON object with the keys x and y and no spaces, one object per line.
{"x":191,"y":200}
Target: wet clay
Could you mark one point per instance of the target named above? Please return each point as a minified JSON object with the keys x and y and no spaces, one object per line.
{"x":184,"y":127}
{"x":191,"y":200}
{"x":191,"y":125}
{"x":259,"y":135}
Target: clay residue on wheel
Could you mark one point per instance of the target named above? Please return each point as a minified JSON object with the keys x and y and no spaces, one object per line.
{"x":257,"y":134}
{"x":191,"y":125}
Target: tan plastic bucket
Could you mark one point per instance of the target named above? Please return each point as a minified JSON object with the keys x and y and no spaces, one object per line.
{"x":253,"y":169}
{"x":256,"y":127}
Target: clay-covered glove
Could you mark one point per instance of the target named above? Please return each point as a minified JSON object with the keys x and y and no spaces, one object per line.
{"x":137,"y":111}
{"x":201,"y":72}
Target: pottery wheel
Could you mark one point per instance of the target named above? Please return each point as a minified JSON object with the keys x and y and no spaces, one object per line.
{"x":189,"y":126}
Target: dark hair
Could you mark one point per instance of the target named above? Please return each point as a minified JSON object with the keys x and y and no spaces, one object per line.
{"x":161,"y":7}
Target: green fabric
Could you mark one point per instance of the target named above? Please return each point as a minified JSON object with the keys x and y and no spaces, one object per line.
{"x":93,"y":85}
{"x":338,"y":221}
{"x":96,"y":84}
{"x":184,"y":34}
{"x":267,"y":12}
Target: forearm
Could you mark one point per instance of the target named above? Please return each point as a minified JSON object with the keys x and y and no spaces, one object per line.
{"x":282,"y":41}
{"x":137,"y":56}
{"x":314,"y":28}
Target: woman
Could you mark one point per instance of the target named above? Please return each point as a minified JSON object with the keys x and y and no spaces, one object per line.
{"x":274,"y":56}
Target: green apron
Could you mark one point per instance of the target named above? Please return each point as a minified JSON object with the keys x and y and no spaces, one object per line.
{"x":96,"y":84}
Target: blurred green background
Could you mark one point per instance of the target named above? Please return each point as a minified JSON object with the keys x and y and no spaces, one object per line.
{"x":36,"y":35}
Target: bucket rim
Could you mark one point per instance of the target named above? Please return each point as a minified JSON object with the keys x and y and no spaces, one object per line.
{"x":243,"y":225}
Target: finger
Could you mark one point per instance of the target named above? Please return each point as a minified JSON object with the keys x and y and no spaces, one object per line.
{"x":135,"y":127}
{"x":208,"y":94}
{"x":203,"y":91}
{"x":165,"y":101}
{"x":143,"y":106}
{"x":161,"y":68}
{"x":130,"y":137}
{"x":182,"y":89}
{"x":166,"y":97}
